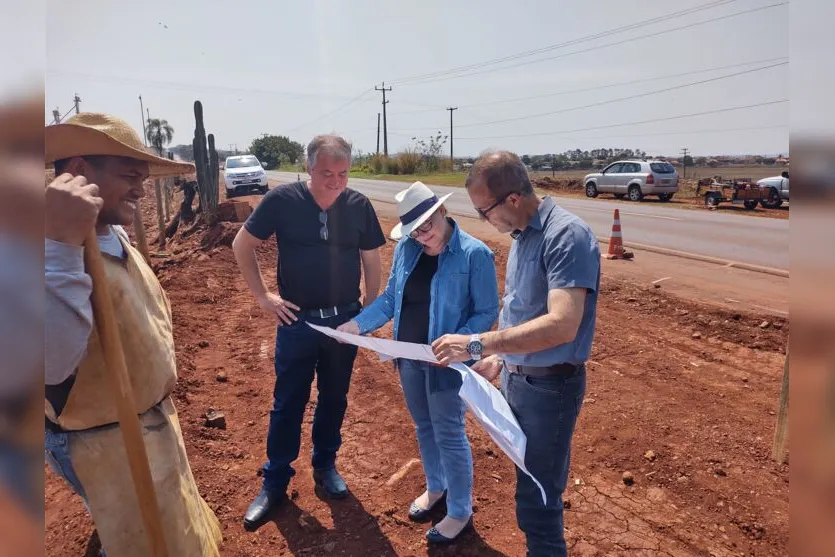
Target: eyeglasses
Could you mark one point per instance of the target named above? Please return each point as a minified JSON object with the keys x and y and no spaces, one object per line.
{"x":425,"y":227}
{"x":323,"y":232}
{"x":484,"y":212}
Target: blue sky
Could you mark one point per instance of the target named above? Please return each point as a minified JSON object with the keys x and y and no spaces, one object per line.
{"x":306,"y":67}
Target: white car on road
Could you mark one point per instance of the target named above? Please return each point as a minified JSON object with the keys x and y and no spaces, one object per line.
{"x":634,"y":179}
{"x":244,"y":174}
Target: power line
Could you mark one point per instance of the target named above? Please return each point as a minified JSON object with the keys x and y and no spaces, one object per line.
{"x":526,"y":53}
{"x":635,"y":123}
{"x":67,"y":113}
{"x":619,"y":99}
{"x":622,"y":83}
{"x":653,"y":35}
{"x":230,"y":90}
{"x":602,"y":86}
{"x":323,"y":116}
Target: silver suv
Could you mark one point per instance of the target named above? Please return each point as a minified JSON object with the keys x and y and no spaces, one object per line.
{"x":634,"y":179}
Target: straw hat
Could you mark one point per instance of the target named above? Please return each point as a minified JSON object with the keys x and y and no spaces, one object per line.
{"x":414,"y":206}
{"x":92,"y":133}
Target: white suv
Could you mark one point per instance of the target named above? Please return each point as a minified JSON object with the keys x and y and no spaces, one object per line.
{"x":243,"y":174}
{"x":634,"y":179}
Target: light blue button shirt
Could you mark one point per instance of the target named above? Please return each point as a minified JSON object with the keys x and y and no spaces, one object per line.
{"x":556,"y":250}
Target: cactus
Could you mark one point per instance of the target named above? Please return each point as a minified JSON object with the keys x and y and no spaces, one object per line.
{"x":207,"y":173}
{"x":214,"y":166}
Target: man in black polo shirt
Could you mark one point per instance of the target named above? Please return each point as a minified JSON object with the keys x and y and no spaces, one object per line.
{"x":325,"y":233}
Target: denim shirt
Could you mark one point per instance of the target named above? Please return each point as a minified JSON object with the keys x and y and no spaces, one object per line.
{"x":464,"y":291}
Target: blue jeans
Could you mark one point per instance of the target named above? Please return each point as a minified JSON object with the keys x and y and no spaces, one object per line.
{"x":547,"y":409}
{"x":438,"y":413}
{"x":57,"y":454}
{"x":301,"y":351}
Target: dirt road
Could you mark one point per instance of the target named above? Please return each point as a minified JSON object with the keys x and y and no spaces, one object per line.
{"x":695,"y":384}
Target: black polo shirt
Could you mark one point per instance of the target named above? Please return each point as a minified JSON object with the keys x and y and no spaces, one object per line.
{"x":314,"y":272}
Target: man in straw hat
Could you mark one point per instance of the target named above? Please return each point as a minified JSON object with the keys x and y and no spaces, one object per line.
{"x":100,"y":166}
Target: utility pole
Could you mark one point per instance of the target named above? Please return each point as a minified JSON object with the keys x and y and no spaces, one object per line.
{"x":56,"y":115}
{"x":378,"y":133}
{"x":451,"y":153}
{"x":148,"y":112}
{"x":684,"y":152}
{"x":385,"y":125}
{"x":142,"y":117}
{"x":77,"y":101}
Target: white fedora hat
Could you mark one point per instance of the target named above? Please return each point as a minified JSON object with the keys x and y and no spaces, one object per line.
{"x":414,"y":206}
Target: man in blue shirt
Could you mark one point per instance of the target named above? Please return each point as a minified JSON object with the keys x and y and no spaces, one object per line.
{"x":545,"y":333}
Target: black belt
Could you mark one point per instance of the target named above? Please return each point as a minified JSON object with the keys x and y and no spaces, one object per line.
{"x":539,"y":371}
{"x":333,"y":311}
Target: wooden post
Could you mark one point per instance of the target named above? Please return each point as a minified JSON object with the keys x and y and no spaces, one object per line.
{"x":781,"y":432}
{"x":163,"y":190}
{"x":160,"y":214}
{"x":169,"y":199}
{"x":117,"y":376}
{"x":139,"y":231}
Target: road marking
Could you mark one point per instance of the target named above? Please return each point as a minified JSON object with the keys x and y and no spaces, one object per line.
{"x":601,"y":210}
{"x":661,"y":280}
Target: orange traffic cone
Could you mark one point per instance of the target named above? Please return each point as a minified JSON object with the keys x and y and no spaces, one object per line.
{"x":616,"y":250}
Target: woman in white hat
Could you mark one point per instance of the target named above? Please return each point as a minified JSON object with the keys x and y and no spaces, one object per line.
{"x":442,"y":281}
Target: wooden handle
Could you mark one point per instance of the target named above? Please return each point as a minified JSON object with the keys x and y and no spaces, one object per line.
{"x":139,"y":230}
{"x":120,"y":387}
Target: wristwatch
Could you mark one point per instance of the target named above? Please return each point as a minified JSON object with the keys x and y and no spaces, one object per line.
{"x":475,"y":348}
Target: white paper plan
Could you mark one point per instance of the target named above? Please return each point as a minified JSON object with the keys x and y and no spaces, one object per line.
{"x":487,"y":404}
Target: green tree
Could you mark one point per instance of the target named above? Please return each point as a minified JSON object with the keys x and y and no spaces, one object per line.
{"x":159,"y":133}
{"x":272,"y":150}
{"x":526,"y":159}
{"x":688,"y":160}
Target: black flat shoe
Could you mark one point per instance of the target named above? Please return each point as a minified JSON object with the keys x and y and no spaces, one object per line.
{"x":433,"y":536}
{"x":331,"y":483}
{"x":261,"y":507}
{"x":418,"y":514}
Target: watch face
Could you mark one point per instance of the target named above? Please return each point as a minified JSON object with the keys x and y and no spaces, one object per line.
{"x":474,"y":347}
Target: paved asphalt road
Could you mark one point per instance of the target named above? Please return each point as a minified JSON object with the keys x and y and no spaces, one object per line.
{"x":757,"y":241}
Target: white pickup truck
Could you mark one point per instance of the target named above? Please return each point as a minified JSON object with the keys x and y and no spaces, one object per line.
{"x":779,"y":186}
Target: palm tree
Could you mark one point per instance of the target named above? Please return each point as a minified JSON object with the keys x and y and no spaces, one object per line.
{"x":159,"y":132}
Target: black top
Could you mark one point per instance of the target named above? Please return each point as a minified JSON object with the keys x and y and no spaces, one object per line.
{"x":317,"y":270}
{"x":414,"y":313}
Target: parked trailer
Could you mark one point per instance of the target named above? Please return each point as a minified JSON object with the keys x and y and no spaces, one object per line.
{"x":739,"y":191}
